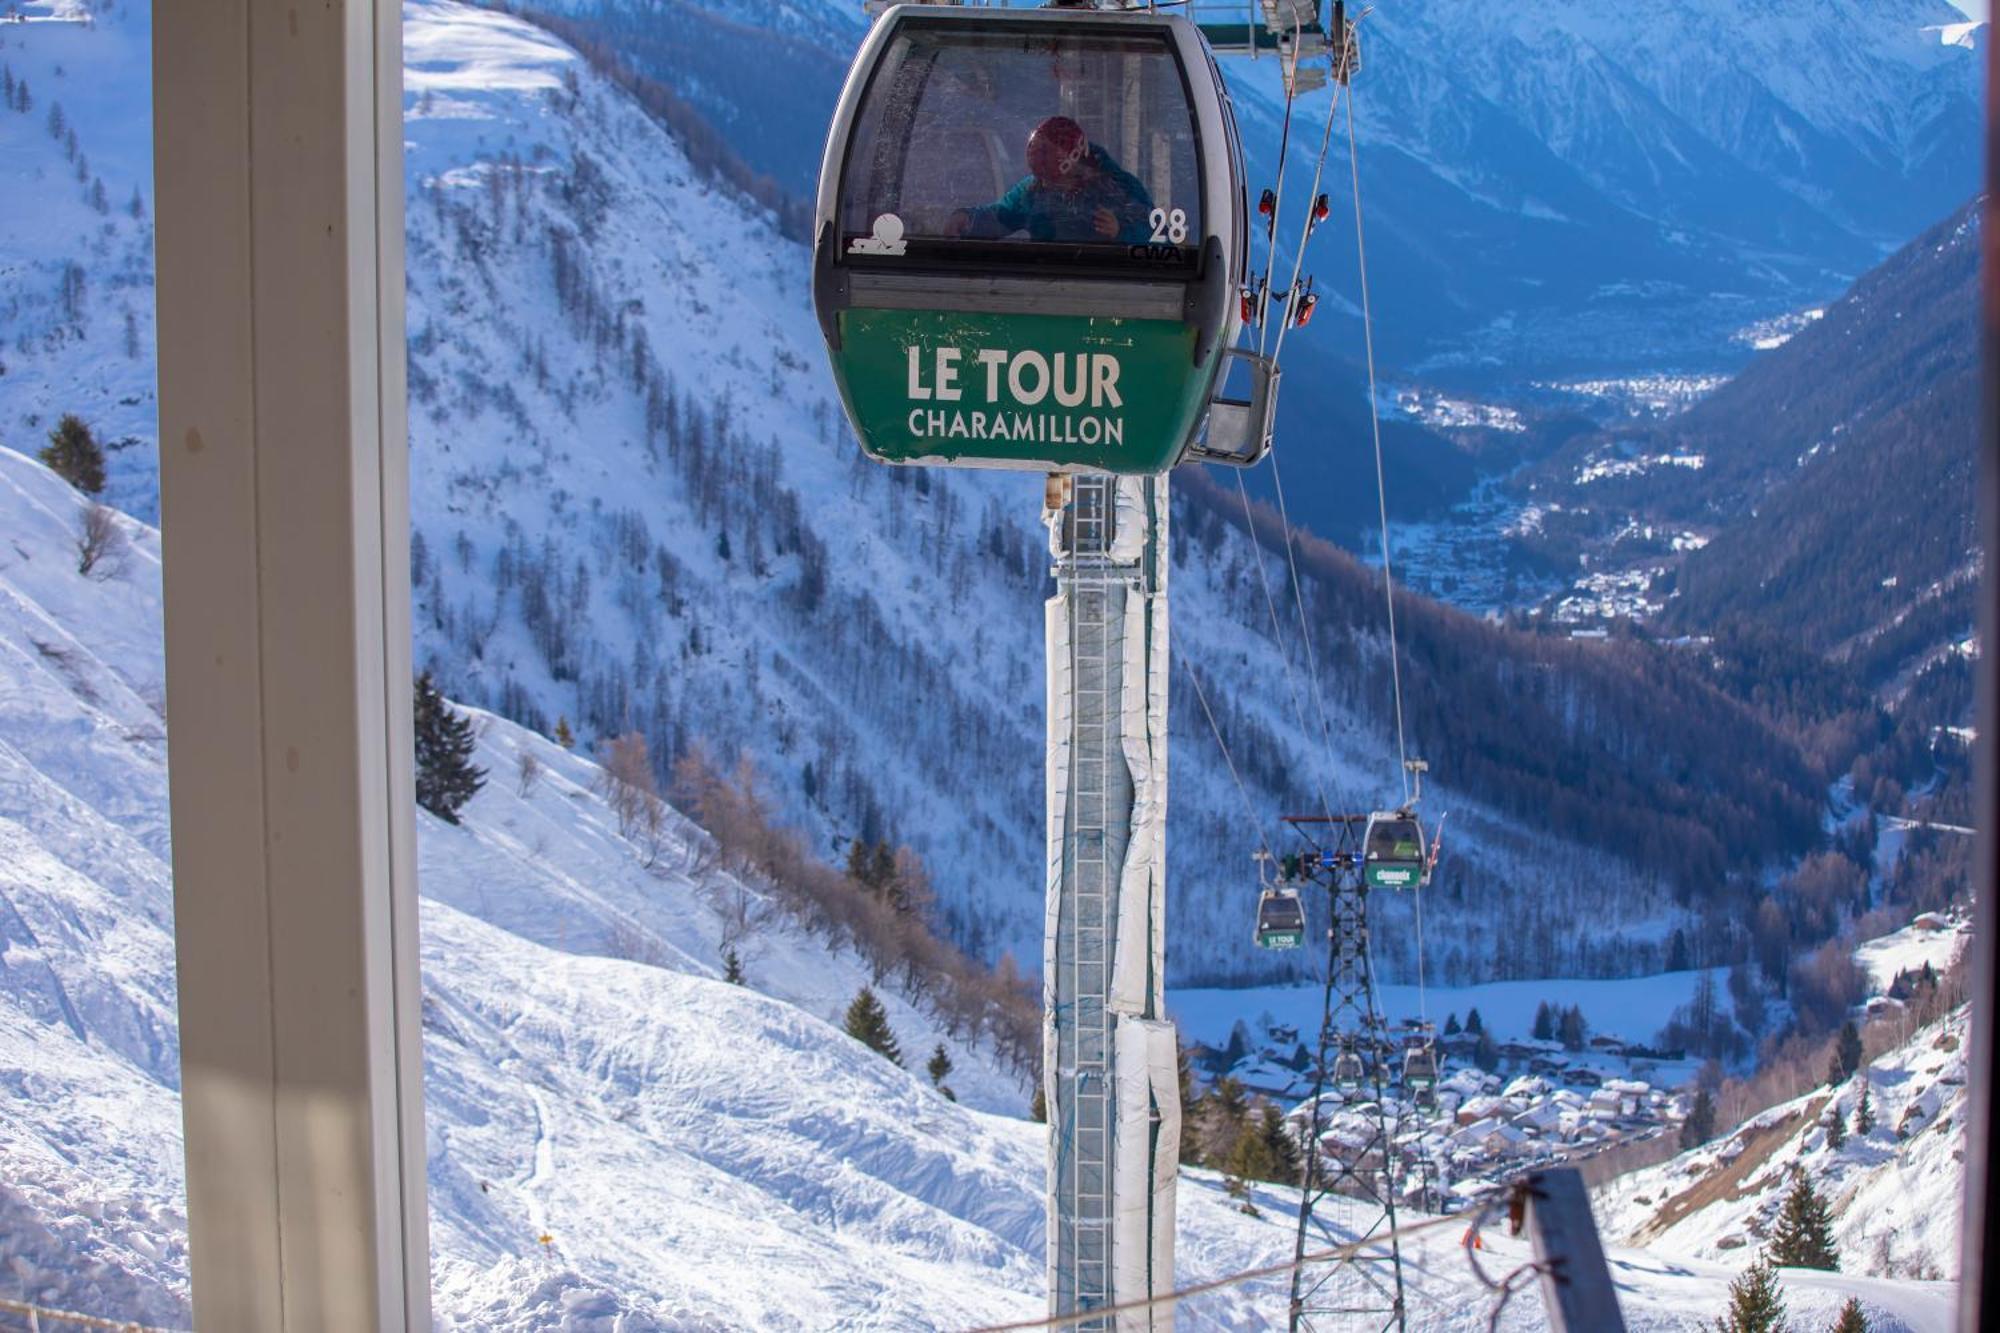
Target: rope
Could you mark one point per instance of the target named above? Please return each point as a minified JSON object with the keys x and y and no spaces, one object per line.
{"x":1312,"y":197}
{"x":1249,"y":807}
{"x":1375,"y":421}
{"x":1278,"y":191}
{"x":1277,"y":630}
{"x":1180,"y":1294}
{"x":71,"y":1317}
{"x":1423,"y":1006}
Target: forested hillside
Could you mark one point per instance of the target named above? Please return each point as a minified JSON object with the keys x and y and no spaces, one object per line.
{"x":1826,"y":491}
{"x":636,"y":510}
{"x":1854,"y":495}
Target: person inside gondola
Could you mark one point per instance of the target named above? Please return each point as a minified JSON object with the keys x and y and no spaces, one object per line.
{"x":1074,"y":192}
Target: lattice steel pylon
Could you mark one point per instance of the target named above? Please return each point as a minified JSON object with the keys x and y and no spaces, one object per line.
{"x":1350,"y":1169}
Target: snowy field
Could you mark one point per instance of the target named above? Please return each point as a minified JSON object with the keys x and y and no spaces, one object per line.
{"x":1632,"y":1009}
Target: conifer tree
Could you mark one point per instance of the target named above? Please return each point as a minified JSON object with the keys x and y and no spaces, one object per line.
{"x":857,"y":861}
{"x":1486,"y":1053}
{"x":1473,"y":1022}
{"x":938,"y":1065}
{"x":1836,"y":1130}
{"x":1191,"y":1117}
{"x":564,"y":736}
{"x":1699,"y":1127}
{"x":1847,"y":1052}
{"x":1232,"y":1102}
{"x":732,"y":967}
{"x":1803,"y":1237}
{"x":1852,"y":1319}
{"x":1038,"y":1106}
{"x":1279,"y":1143}
{"x":1864,"y":1112}
{"x":74,"y":455}
{"x":446,"y":776}
{"x":1572,"y":1030}
{"x":1545,"y":1023}
{"x":1249,"y":1159}
{"x":1755,"y":1303}
{"x":1451,"y":1027}
{"x":868,"y":1023}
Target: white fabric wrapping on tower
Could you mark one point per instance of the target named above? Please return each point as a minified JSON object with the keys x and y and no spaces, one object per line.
{"x":1147,"y":1166}
{"x":1132,"y":1179}
{"x":1134,"y":969}
{"x":1163,"y":1064}
{"x":1056,"y":646}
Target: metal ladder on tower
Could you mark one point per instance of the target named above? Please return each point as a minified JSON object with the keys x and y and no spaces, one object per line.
{"x":1094,"y":733}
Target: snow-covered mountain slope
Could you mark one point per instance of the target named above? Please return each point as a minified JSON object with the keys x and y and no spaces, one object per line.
{"x":76,"y":232}
{"x":1893,"y":1192}
{"x":1552,"y":184}
{"x":662,"y":1126}
{"x":636,"y":507}
{"x":639,"y":508}
{"x":698,"y":1154}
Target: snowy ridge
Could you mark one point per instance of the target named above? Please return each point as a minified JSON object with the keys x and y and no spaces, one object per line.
{"x":76,"y":259}
{"x":1893,"y":1192}
{"x":663,"y":1127}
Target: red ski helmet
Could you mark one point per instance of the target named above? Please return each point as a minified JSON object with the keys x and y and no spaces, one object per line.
{"x":1055,"y":149}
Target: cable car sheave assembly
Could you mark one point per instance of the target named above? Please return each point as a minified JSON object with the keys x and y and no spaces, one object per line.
{"x":1032,"y":252}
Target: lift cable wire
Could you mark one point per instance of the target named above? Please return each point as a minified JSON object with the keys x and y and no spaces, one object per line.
{"x":1291,"y":69}
{"x":38,"y":1312}
{"x":1375,"y":421}
{"x":1201,"y":695}
{"x":1284,"y":517}
{"x":1277,"y":629}
{"x":1277,"y":476}
{"x":1180,"y":1294}
{"x":1312,"y":203}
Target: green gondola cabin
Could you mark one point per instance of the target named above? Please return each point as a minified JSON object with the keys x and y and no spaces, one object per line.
{"x":1031,"y":245}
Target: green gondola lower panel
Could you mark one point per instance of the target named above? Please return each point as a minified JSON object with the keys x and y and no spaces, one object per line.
{"x":1045,"y":393}
{"x":1393,"y":876}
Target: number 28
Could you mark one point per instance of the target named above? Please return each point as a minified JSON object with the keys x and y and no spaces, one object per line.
{"x":1169,"y":227}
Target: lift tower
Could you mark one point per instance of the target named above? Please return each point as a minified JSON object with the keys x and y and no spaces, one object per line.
{"x":975,"y":315}
{"x":1109,"y":1074}
{"x":1350,"y":1171}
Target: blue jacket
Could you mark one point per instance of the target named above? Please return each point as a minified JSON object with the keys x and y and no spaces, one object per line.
{"x":1049,"y":214}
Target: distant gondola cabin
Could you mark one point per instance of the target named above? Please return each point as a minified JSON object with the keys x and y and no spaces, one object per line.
{"x":1393,"y":851}
{"x":1031,"y":244}
{"x":1281,"y":919}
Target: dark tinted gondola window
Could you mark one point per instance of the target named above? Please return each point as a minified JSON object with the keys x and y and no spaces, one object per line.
{"x":1394,"y":840}
{"x":940,"y":165}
